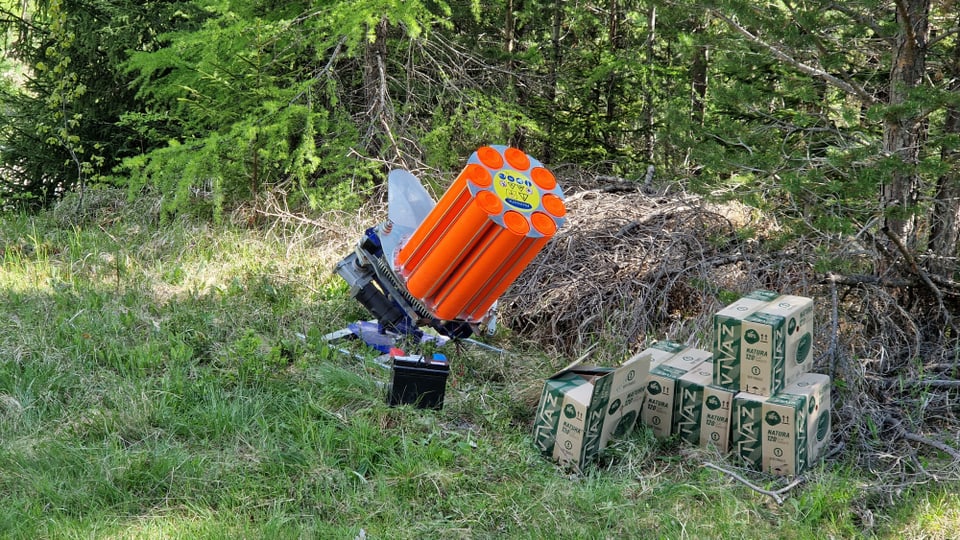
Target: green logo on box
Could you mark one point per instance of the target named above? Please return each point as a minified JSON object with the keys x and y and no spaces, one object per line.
{"x":823,"y":424}
{"x":614,"y":406}
{"x":713,"y":403}
{"x":569,"y":411}
{"x":752,"y":336}
{"x":772,"y":418}
{"x":626,"y":423}
{"x":803,"y":348}
{"x":654,"y":388}
{"x":813,"y":405}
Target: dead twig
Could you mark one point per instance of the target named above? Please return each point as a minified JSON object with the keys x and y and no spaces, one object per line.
{"x":924,"y":277}
{"x":854,"y":280}
{"x":930,"y":442}
{"x":777,"y":495}
{"x":939,"y":384}
{"x":943,"y":384}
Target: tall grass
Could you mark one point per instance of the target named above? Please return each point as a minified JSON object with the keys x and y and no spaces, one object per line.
{"x":170,"y":382}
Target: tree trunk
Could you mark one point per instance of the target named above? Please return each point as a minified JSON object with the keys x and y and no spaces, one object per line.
{"x":376,"y":98}
{"x":945,"y":224}
{"x":518,"y":90}
{"x":698,"y":72}
{"x":510,"y":28}
{"x":552,"y":79}
{"x":649,"y":135}
{"x":612,"y":90}
{"x":903,"y":132}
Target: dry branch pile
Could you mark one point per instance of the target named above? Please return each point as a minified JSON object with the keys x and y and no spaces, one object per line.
{"x":630,"y":267}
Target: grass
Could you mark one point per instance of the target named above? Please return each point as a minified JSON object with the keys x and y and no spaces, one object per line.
{"x":170,"y":382}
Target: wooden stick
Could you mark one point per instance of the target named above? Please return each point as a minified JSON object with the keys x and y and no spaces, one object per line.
{"x":775,"y":495}
{"x":930,"y":442}
{"x":930,"y":383}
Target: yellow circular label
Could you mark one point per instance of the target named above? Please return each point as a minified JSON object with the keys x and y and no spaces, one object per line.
{"x":516,"y":189}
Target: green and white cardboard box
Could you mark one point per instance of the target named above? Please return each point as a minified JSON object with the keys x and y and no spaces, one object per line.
{"x":572,"y":412}
{"x":658,"y":352}
{"x":785,"y":434}
{"x":549,"y":410}
{"x":797,"y":425}
{"x":819,"y":427}
{"x":663,"y":350}
{"x":799,"y":350}
{"x":776,"y":345}
{"x":688,"y":413}
{"x":582,"y":408}
{"x":626,"y":397}
{"x":715,"y":417}
{"x":661,"y":401}
{"x":747,"y":429}
{"x":727,"y":336}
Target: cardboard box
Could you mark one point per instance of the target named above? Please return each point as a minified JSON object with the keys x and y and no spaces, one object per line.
{"x":551,"y":404}
{"x":582,"y":409}
{"x":577,"y":409}
{"x":688,"y":412}
{"x":661,"y":400}
{"x":663,"y":350}
{"x":626,"y":398}
{"x":727,"y":337}
{"x":715,"y":417}
{"x":785,"y":434}
{"x":659,"y":352}
{"x":797,"y":425}
{"x":573,"y":435}
{"x":747,"y":429}
{"x":799,"y":349}
{"x":819,"y":405}
{"x":624,"y":413}
{"x":776,"y":336}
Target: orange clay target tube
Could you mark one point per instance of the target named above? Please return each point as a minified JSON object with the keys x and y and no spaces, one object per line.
{"x":489,"y":225}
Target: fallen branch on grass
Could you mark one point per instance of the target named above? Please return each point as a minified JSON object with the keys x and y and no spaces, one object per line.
{"x":947,"y":287}
{"x":930,"y":442}
{"x":777,"y":495}
{"x":937,"y":384}
{"x":865,"y":279}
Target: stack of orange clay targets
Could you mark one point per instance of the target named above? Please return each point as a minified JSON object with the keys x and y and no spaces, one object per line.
{"x":485,"y":230}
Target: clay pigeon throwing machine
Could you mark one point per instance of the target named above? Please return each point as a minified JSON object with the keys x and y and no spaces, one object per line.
{"x":443,"y":265}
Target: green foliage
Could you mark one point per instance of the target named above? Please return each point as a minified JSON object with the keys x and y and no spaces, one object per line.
{"x":216,"y":103}
{"x":67,"y":93}
{"x":782,"y":139}
{"x":601,"y":111}
{"x":258,"y":97}
{"x":63,"y":94}
{"x":475,"y":121}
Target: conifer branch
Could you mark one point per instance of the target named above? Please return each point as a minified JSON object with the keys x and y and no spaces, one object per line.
{"x":817,"y":72}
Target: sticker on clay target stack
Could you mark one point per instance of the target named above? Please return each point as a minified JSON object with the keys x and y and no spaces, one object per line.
{"x":517,"y":190}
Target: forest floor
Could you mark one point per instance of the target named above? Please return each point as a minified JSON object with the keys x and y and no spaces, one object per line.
{"x":171,"y":381}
